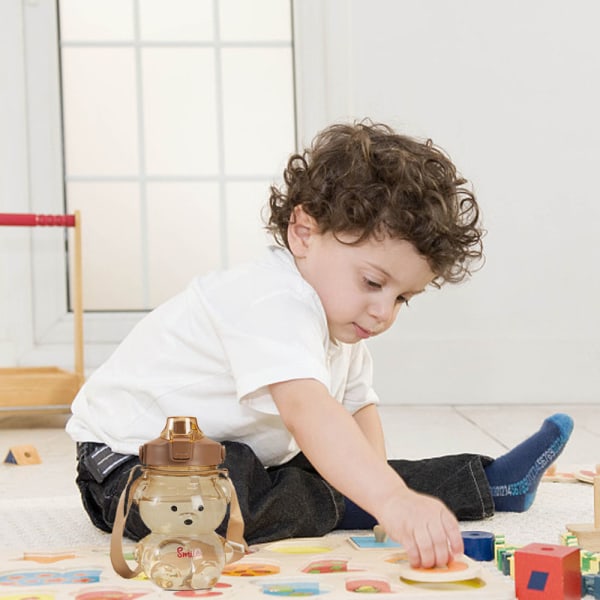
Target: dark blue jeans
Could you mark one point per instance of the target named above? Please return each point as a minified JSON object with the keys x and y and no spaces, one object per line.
{"x":291,"y":500}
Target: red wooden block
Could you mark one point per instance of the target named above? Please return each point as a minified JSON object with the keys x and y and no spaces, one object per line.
{"x":548,"y":572}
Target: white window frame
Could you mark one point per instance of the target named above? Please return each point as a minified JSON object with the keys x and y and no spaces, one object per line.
{"x":322,"y":95}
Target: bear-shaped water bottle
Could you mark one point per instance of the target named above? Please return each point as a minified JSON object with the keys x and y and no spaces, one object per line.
{"x":182,"y":498}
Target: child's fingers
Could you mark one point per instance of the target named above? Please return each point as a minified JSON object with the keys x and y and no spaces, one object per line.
{"x":425,"y":547}
{"x":436,"y":541}
{"x":431,"y":545}
{"x":441,"y":544}
{"x":411,"y":548}
{"x":453,"y":533}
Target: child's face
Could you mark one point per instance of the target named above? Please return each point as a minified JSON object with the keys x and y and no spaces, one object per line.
{"x":361,"y":287}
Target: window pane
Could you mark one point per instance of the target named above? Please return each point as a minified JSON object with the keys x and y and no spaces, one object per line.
{"x":180,"y":119}
{"x":183,"y":235}
{"x":259,"y":131}
{"x":246,"y":236}
{"x":87,"y":20}
{"x":176,"y":20}
{"x":155,"y":114}
{"x":254,"y":20}
{"x":100,"y":113}
{"x":111,"y":243}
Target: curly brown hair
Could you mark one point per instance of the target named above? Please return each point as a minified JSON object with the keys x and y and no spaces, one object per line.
{"x":367,"y":180}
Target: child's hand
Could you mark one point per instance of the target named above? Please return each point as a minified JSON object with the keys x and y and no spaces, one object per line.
{"x":425,"y":527}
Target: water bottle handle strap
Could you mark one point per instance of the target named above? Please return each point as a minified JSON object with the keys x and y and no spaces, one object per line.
{"x":235,"y":528}
{"x":116,"y":539}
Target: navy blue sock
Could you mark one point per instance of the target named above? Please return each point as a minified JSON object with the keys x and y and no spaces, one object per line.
{"x":515,"y":476}
{"x":355,"y":517}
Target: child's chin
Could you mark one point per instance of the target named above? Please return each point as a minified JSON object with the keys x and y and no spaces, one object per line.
{"x":347,"y":338}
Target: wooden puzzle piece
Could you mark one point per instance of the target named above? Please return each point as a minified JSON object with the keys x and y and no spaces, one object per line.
{"x":554,"y":476}
{"x":294,"y":588}
{"x":48,"y":557}
{"x":250,"y":569}
{"x":327,"y":565}
{"x":458,"y":569}
{"x":379,"y":533}
{"x":364,"y":542}
{"x":369,"y":584}
{"x":23,"y":455}
{"x":586,"y":475}
{"x":588,"y":534}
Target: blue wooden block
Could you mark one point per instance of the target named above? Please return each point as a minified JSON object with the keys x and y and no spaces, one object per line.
{"x":590,"y":585}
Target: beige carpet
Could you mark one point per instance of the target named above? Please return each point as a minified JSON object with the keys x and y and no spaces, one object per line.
{"x":59,"y":522}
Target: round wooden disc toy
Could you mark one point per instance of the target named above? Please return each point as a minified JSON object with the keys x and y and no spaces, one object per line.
{"x":459,"y":569}
{"x":586,"y":475}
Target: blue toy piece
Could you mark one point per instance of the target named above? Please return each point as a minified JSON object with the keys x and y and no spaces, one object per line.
{"x":479,"y":545}
{"x":590,"y":585}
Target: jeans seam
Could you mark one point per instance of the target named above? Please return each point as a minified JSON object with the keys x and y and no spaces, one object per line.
{"x":477,"y":488}
{"x":484,"y":512}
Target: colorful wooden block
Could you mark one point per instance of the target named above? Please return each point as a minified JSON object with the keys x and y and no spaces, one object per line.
{"x":590,"y":585}
{"x":590,"y":562}
{"x":502,"y":558}
{"x":569,"y":539}
{"x":547,"y":572}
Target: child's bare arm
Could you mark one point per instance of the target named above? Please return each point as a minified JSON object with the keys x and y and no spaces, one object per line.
{"x":370,"y":424}
{"x":334,"y":443}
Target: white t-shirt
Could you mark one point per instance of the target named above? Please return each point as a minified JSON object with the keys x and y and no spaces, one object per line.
{"x":211,"y":352}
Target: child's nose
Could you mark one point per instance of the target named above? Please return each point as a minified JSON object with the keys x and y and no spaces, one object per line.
{"x":383,"y":309}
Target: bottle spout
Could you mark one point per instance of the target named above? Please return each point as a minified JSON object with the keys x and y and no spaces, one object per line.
{"x":181,"y":427}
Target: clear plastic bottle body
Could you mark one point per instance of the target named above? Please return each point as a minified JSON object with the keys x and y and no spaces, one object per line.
{"x":182,"y":508}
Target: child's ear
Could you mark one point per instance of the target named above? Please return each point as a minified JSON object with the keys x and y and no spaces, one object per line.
{"x":300,"y":230}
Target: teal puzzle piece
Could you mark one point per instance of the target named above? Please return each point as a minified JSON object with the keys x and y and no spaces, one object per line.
{"x":368,"y":541}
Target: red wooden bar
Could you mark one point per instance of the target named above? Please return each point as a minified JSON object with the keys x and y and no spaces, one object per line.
{"x":31,"y":220}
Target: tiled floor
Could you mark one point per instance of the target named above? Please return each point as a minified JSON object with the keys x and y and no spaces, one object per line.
{"x":418,"y":431}
{"x":411,"y":432}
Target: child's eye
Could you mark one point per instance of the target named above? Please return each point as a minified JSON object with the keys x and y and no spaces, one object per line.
{"x":372,"y":284}
{"x":402,"y":300}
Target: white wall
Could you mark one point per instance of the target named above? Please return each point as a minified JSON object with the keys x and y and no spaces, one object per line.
{"x":15,"y":305}
{"x":510,"y":89}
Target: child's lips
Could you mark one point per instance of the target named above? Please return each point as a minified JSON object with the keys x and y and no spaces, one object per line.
{"x":361,"y":332}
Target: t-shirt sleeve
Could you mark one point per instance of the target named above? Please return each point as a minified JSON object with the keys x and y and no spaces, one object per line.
{"x":276,"y":338}
{"x":359,"y":390}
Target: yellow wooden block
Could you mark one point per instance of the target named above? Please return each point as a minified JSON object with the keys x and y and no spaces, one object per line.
{"x":23,"y":455}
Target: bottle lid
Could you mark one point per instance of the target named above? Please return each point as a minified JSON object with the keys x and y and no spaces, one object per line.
{"x":182,"y":444}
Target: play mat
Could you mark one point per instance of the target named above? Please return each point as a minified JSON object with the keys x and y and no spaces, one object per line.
{"x":334,"y":566}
